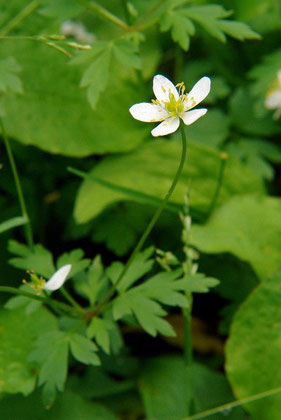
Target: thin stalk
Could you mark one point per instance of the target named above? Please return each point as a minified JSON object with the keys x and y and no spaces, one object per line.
{"x":104,"y":13}
{"x":71,"y":300}
{"x":15,"y":291}
{"x":226,"y":407}
{"x":142,"y":23}
{"x":27,"y":226}
{"x":149,"y":227}
{"x":26,"y":11}
{"x":223,"y":157}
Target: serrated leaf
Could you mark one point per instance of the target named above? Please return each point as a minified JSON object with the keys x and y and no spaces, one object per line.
{"x":83,"y":349}
{"x":9,"y":81}
{"x":249,"y":227}
{"x":211,"y":18}
{"x":126,"y":52}
{"x":99,"y":329}
{"x":18,"y":334}
{"x":75,"y":258}
{"x":181,"y":27}
{"x":51,"y":353}
{"x":140,"y":266}
{"x":148,"y":313}
{"x":199,"y":283}
{"x":38,"y":258}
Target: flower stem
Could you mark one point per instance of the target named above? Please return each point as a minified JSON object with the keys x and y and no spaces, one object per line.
{"x":101,"y":11}
{"x":71,"y":300}
{"x":28,"y":229}
{"x":149,"y":227}
{"x":225,"y":407}
{"x":15,"y":291}
{"x":223,"y":158}
{"x":19,"y":17}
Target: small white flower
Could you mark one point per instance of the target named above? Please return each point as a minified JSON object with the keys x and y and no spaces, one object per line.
{"x":69,"y":28}
{"x":172,"y":104}
{"x":273,"y":97}
{"x":57,"y":279}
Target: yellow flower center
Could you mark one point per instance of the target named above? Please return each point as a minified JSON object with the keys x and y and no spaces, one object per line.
{"x":173,"y":106}
{"x":36,"y":283}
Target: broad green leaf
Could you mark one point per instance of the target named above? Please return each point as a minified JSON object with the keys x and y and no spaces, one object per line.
{"x":38,"y":259}
{"x":165,"y":391}
{"x":18,"y":334}
{"x":151,"y":169}
{"x":254,"y":347}
{"x":75,"y":258}
{"x":181,"y":27}
{"x":99,"y":330}
{"x":51,"y":354}
{"x":83,"y":349}
{"x":249,"y":227}
{"x":54,"y":114}
{"x":60,"y":10}
{"x":12,"y":223}
{"x":9,"y":81}
{"x":68,"y":405}
{"x":238,"y":30}
{"x":164,"y":388}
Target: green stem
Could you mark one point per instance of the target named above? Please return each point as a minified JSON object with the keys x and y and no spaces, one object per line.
{"x":71,"y":300}
{"x":15,"y":291}
{"x":223,"y":157}
{"x":149,"y":227}
{"x":229,"y":406}
{"x":27,"y":226}
{"x":144,"y":23}
{"x":104,"y":13}
{"x":19,"y":17}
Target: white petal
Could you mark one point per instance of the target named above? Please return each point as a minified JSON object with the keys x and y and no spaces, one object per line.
{"x":199,"y":92}
{"x":166,"y":127}
{"x":162,"y":87}
{"x":147,"y":112}
{"x":190,"y":117}
{"x":273,"y":100}
{"x":57,"y":279}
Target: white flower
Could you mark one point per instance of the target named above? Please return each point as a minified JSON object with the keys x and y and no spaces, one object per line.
{"x":58,"y":278}
{"x":172,"y":104}
{"x":273,"y":97}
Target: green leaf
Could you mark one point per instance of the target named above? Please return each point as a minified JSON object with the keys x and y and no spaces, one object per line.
{"x":164,"y":388}
{"x":165,"y":391}
{"x":181,"y":27}
{"x":249,"y":227}
{"x":199,"y":283}
{"x":126,"y":52}
{"x":211,"y":18}
{"x":9,"y":81}
{"x":12,"y":223}
{"x":140,"y":266}
{"x":18,"y":334}
{"x":51,"y":354}
{"x":68,"y":406}
{"x":95,"y":77}
{"x":265,"y":73}
{"x":54,"y":114}
{"x":148,"y":313}
{"x":38,"y":259}
{"x":61,"y":11}
{"x":253,"y":349}
{"x":83,"y":349}
{"x":99,"y":329}
{"x":75,"y":258}
{"x":151,"y":169}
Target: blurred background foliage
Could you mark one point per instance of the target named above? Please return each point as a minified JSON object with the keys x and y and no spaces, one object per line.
{"x":69,"y":71}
